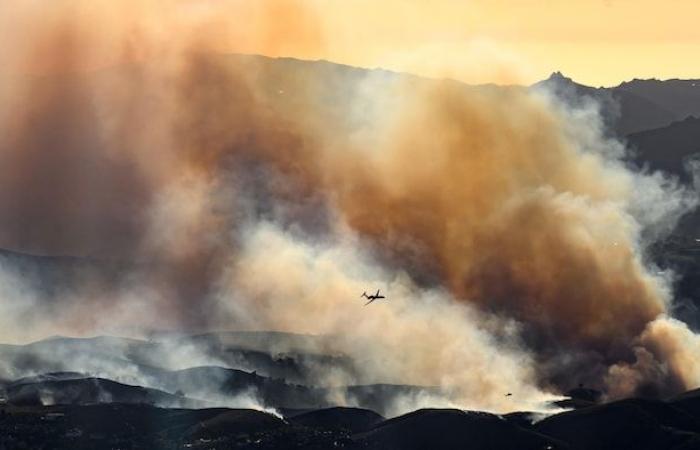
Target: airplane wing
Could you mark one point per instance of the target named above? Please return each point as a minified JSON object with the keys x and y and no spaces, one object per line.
{"x":377,"y":294}
{"x":370,"y":301}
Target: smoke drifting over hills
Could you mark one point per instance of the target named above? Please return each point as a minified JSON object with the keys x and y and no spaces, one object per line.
{"x":502,"y":226}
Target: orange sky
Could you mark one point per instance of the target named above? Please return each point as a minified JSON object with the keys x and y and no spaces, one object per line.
{"x":596,"y":42}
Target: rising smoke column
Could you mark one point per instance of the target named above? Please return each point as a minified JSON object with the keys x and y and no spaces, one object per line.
{"x":506,"y":236}
{"x":510,"y":203}
{"x":488,"y":194}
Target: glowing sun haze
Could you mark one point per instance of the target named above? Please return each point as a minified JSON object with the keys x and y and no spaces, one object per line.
{"x":596,"y":42}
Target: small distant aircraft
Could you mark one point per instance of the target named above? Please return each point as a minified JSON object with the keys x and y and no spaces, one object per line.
{"x":509,"y":394}
{"x":372,"y":297}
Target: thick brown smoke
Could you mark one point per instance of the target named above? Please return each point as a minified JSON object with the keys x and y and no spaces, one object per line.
{"x":485,"y":194}
{"x":237,"y":191}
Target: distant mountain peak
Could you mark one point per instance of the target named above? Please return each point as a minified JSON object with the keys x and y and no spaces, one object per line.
{"x":558,"y":81}
{"x":558,"y":76}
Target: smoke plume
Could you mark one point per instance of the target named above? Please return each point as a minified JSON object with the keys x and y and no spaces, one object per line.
{"x":239,"y":192}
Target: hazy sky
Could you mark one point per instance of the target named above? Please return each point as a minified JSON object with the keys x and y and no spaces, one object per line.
{"x":597,"y":42}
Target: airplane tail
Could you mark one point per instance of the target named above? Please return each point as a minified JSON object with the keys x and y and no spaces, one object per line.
{"x":364,"y":294}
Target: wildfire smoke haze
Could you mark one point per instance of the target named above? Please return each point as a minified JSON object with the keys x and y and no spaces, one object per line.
{"x":228,"y":192}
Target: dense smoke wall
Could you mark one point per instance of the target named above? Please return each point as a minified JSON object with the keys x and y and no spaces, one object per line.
{"x":239,"y":192}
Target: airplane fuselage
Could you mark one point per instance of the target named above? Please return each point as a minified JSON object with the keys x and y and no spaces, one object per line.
{"x":372,"y":297}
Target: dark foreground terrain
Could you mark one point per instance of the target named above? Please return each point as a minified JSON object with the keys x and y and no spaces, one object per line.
{"x":111,"y":393}
{"x":628,"y":424}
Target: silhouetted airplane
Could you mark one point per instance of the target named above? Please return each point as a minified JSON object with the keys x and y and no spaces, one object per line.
{"x":372,"y":297}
